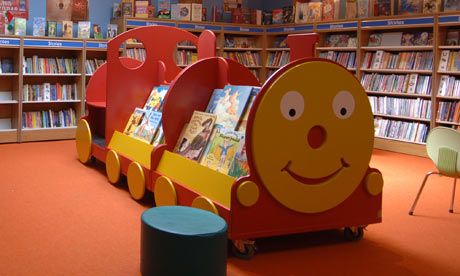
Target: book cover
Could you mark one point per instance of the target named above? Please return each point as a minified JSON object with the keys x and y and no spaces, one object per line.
{"x":197,"y":12}
{"x":277,"y":16}
{"x":134,"y":121}
{"x":240,"y":165}
{"x":452,"y":38}
{"x":314,"y":11}
{"x":351,"y":9}
{"x":185,"y":12}
{"x":141,"y":9}
{"x":431,"y":6}
{"x":412,"y":83}
{"x":147,"y":128}
{"x":127,"y":9}
{"x":352,"y":42}
{"x":52,"y":28}
{"x":193,"y":141}
{"x":222,"y":150}
{"x":244,"y":118}
{"x":156,"y":97}
{"x":328,"y":10}
{"x":47,"y":92}
{"x":410,"y":6}
{"x":423,"y":38}
{"x":164,"y":9}
{"x":229,"y":105}
{"x":407,"y":39}
{"x":151,"y":11}
{"x":112,"y":30}
{"x":39,"y":26}
{"x":20,"y":26}
{"x":451,"y":5}
{"x":67,"y":29}
{"x":84,"y":28}
{"x":375,"y":39}
{"x":116,"y":10}
{"x":175,"y":11}
{"x":97,"y":31}
{"x":288,"y":14}
{"x":267,"y":18}
{"x":363,"y":8}
{"x":159,"y":136}
{"x":391,"y":39}
{"x":7,"y":65}
{"x":382,"y":7}
{"x":300,"y":13}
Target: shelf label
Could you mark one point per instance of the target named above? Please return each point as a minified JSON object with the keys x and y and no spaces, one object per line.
{"x":337,"y":26}
{"x":449,"y":19}
{"x":137,"y":23}
{"x":243,"y":29}
{"x":53,"y":43}
{"x":96,"y":45}
{"x":290,"y":29}
{"x":398,"y":22}
{"x":199,"y":27}
{"x":9,"y":41}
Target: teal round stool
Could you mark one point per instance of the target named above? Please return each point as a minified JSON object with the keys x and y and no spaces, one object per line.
{"x":179,"y":240}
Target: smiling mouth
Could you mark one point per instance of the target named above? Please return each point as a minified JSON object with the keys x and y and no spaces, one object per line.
{"x":314,"y":181}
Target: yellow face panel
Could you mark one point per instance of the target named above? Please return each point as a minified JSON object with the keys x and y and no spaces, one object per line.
{"x":312,"y":137}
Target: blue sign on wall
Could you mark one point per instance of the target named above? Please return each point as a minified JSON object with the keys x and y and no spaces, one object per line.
{"x":243,"y":29}
{"x":337,"y":26}
{"x":53,"y":43}
{"x":9,"y":41}
{"x":290,"y":29}
{"x":199,"y":27}
{"x":449,"y":19}
{"x":398,"y":22}
{"x":96,"y":45}
{"x":138,"y":23}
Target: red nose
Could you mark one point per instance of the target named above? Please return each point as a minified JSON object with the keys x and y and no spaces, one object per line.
{"x":316,"y":137}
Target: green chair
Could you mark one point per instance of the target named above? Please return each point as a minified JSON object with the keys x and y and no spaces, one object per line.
{"x":443,"y":147}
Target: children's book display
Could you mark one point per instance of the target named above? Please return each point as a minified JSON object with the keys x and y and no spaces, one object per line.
{"x":39,"y":26}
{"x":84,"y":28}
{"x":67,"y":29}
{"x":52,"y":28}
{"x":145,"y":123}
{"x":112,"y":30}
{"x":216,"y":138}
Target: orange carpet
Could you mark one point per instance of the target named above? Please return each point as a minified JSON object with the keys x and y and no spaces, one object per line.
{"x":59,"y":217}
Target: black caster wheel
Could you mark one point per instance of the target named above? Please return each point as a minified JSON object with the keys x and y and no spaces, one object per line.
{"x":93,"y":160}
{"x":353,"y":233}
{"x":245,"y":254}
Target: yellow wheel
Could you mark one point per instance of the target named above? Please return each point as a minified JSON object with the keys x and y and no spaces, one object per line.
{"x":83,"y":141}
{"x":136,"y":180}
{"x":206,"y":204}
{"x":112,"y":167}
{"x":164,"y":192}
{"x":247,"y":193}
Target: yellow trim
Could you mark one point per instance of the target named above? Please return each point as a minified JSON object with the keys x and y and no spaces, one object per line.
{"x":374,"y":183}
{"x":136,"y":180}
{"x":83,"y":141}
{"x":247,"y":193}
{"x":203,"y":180}
{"x":164,"y":192}
{"x":132,"y":148}
{"x":204,"y":203}
{"x":112,"y":167}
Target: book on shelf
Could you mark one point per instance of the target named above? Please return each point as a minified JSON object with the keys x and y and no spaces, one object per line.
{"x":159,"y":136}
{"x":351,"y":9}
{"x":314,"y":12}
{"x":221,"y":150}
{"x":451,"y":5}
{"x":192,"y":143}
{"x":337,"y":40}
{"x":67,"y":29}
{"x":330,"y":10}
{"x":97,"y":31}
{"x":410,"y":7}
{"x":449,"y":86}
{"x":141,"y":9}
{"x":267,"y":18}
{"x":164,"y":9}
{"x":288,"y":14}
{"x":401,"y":130}
{"x":417,"y":108}
{"x":241,"y":127}
{"x":49,"y":118}
{"x":84,"y":29}
{"x":52,"y":28}
{"x":363,"y":8}
{"x":20,"y":26}
{"x":39,"y":26}
{"x":6,"y":66}
{"x":151,"y":11}
{"x":184,"y":11}
{"x":127,"y":8}
{"x":91,"y":65}
{"x":116,"y":10}
{"x":391,"y":39}
{"x":134,"y":120}
{"x":382,"y":7}
{"x":155,"y":100}
{"x":197,"y":12}
{"x":431,"y":6}
{"x":448,"y":111}
{"x":452,"y":38}
{"x":36,"y":65}
{"x":375,"y":39}
{"x":277,"y":16}
{"x":6,"y":96}
{"x":6,"y":123}
{"x":148,"y":126}
{"x":301,"y":13}
{"x":49,"y":92}
{"x":396,"y":83}
{"x":280,"y":42}
{"x":112,"y":30}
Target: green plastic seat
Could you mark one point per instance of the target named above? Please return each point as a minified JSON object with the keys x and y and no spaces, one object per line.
{"x":443,"y":147}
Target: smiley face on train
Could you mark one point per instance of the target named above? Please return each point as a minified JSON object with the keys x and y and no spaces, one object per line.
{"x":314,"y":124}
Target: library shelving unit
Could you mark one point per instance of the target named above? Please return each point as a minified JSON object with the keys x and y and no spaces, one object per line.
{"x":49,"y":62}
{"x":277,"y":52}
{"x":10,"y":83}
{"x":95,"y":56}
{"x":399,"y":80}
{"x":448,"y":74}
{"x":339,"y":42}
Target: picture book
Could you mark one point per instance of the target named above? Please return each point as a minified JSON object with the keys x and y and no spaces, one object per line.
{"x":240,"y":165}
{"x":229,"y":104}
{"x":141,"y":10}
{"x":20,"y":26}
{"x":212,"y":104}
{"x":185,"y":12}
{"x":410,"y":6}
{"x":193,"y":141}
{"x":127,"y":9}
{"x":423,"y":39}
{"x":451,"y":5}
{"x":288,"y":14}
{"x":39,"y":26}
{"x":267,"y":18}
{"x":84,"y":28}
{"x":156,"y":97}
{"x":452,"y":38}
{"x":375,"y":39}
{"x":222,"y":150}
{"x":164,"y":9}
{"x":328,"y":10}
{"x":148,"y":126}
{"x":301,"y":13}
{"x":444,"y":60}
{"x":151,"y":11}
{"x":314,"y":11}
{"x":277,"y":16}
{"x":352,"y":42}
{"x":175,"y":11}
{"x":244,"y":119}
{"x":363,"y":8}
{"x":382,"y":8}
{"x":431,"y":6}
{"x":67,"y":29}
{"x":116,"y":10}
{"x":197,"y":12}
{"x":97,"y":31}
{"x":112,"y":30}
{"x":159,"y":136}
{"x":7,"y":65}
{"x":351,"y":9}
{"x":135,"y":119}
{"x":52,"y":28}
{"x":407,"y":39}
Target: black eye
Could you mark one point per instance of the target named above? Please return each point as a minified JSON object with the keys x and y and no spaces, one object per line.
{"x":292,"y":112}
{"x":343,"y":111}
